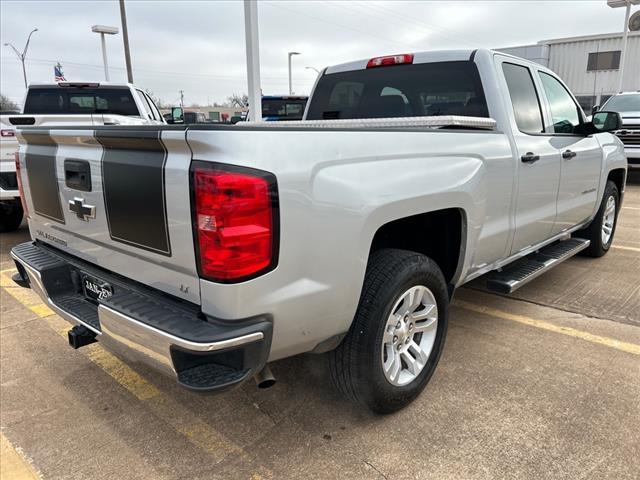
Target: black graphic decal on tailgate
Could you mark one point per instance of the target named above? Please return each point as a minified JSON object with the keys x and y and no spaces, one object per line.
{"x":133,"y":184}
{"x":40,"y":161}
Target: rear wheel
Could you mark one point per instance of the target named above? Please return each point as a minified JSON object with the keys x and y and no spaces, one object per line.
{"x":10,"y":216}
{"x":398,"y":332}
{"x":602,"y":228}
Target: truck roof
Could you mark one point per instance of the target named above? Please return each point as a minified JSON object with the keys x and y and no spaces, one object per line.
{"x":425,"y":57}
{"x":285,"y":97}
{"x":81,"y":85}
{"x":418,"y":57}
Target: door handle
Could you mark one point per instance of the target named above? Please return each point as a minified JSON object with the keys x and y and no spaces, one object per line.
{"x":568,"y":154}
{"x":530,"y":157}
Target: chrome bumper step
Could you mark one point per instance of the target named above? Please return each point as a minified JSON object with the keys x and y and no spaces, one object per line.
{"x":532,"y":266}
{"x":143,"y":324}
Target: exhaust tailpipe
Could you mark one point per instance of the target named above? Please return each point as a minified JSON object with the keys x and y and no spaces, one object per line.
{"x":264,"y":378}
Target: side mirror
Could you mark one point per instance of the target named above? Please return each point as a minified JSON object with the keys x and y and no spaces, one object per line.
{"x":177,"y":115}
{"x":595,"y":109}
{"x":606,"y":122}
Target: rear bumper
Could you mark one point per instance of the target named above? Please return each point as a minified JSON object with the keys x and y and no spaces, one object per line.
{"x":144,"y":325}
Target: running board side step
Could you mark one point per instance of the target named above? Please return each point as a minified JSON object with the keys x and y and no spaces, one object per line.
{"x":521,"y":272}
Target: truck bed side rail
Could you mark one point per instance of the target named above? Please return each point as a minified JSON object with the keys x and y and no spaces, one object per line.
{"x":442,"y":121}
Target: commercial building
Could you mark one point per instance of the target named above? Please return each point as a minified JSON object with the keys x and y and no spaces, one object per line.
{"x":589,"y":65}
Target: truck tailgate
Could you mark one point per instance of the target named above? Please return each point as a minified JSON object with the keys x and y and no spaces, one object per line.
{"x":115,"y":197}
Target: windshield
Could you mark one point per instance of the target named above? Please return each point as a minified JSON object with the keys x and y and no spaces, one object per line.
{"x":426,"y":89}
{"x":66,"y":100}
{"x":289,"y":109}
{"x":623,"y":103}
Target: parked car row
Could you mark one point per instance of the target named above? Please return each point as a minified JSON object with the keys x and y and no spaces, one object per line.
{"x":208,"y":251}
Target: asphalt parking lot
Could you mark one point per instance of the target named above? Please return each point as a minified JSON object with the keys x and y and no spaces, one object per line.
{"x":543,"y":384}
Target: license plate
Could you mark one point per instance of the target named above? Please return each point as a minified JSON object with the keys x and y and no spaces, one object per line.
{"x":95,"y":289}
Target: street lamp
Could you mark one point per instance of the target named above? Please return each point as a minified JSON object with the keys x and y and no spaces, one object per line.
{"x":313,"y":68}
{"x":104,"y":30}
{"x":289,"y":55}
{"x":23,"y":55}
{"x":627,"y":4}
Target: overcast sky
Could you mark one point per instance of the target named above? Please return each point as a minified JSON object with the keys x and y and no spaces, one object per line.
{"x":198,"y":46}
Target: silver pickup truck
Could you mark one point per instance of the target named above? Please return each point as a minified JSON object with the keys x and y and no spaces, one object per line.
{"x":209,"y":251}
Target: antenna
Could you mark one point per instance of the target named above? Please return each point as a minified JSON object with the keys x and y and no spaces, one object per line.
{"x":634,"y":22}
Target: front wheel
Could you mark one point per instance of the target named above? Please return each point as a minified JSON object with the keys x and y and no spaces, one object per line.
{"x":397,"y":335}
{"x":602,"y":228}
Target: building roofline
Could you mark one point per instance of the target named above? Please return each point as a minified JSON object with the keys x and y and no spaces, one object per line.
{"x":586,"y":38}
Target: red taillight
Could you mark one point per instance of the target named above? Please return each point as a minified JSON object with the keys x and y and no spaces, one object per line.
{"x":390,"y":60}
{"x":234,"y":221}
{"x":19,"y":180}
{"x":5,"y":132}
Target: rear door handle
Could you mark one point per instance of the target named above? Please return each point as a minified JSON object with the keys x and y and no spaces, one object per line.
{"x":568,"y":154}
{"x":530,"y":157}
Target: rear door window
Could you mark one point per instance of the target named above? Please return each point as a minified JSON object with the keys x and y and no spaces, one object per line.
{"x":69,"y":100}
{"x":431,"y":89}
{"x":524,"y":98}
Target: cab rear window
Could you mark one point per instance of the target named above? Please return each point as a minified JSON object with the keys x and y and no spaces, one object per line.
{"x":413,"y":90}
{"x":64,"y":100}
{"x":284,"y":109}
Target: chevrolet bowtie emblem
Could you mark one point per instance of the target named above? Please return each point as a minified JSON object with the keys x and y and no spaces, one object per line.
{"x":82,"y":211}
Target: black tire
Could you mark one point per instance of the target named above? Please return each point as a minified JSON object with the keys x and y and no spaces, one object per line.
{"x":356,"y":365}
{"x":10,"y":216}
{"x":593,"y":232}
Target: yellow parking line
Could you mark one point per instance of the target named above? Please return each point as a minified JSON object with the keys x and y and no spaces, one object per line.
{"x":29,"y":299}
{"x":5,"y":277}
{"x":13,"y":464}
{"x":624,"y":247}
{"x":198,"y":433}
{"x":631,"y":208}
{"x":532,"y":322}
{"x":122,"y":373}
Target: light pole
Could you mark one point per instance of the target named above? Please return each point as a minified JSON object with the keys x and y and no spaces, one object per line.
{"x":627,"y":4}
{"x":104,"y":30}
{"x":23,"y":55}
{"x":125,"y":39}
{"x":252,"y":45}
{"x":313,"y":68}
{"x":289,"y":55}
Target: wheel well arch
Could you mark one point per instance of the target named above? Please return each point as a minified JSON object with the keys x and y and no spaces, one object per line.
{"x":617,"y":176}
{"x":415,"y":233}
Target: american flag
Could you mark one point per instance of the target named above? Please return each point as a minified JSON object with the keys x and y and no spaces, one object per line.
{"x":57,"y":73}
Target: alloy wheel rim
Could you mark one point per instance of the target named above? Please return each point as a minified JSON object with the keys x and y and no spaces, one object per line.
{"x":409,"y":335}
{"x":608,"y":220}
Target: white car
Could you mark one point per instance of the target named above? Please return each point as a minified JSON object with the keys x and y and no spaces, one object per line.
{"x":627,"y":104}
{"x":10,"y":206}
{"x":76,"y":103}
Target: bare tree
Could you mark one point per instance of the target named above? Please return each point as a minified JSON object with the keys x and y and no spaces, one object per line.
{"x":238,"y":101}
{"x":8,"y":105}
